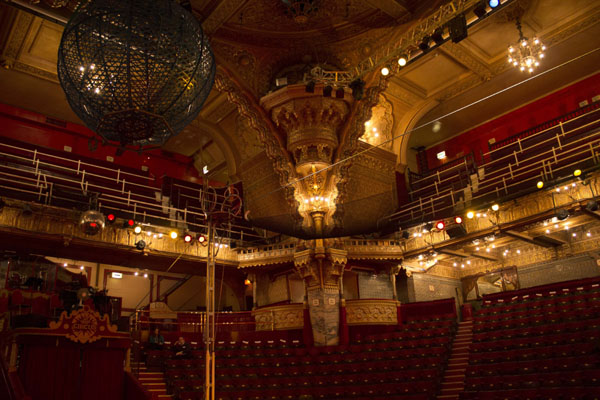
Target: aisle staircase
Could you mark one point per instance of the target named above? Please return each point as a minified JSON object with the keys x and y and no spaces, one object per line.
{"x":454,"y":377}
{"x":154,"y":382}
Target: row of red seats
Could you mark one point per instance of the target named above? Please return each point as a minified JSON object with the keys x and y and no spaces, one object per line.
{"x":551,"y":379}
{"x":545,"y":353}
{"x":581,"y":315}
{"x":552,"y":338}
{"x":591,"y":325}
{"x":571,"y":393}
{"x":318,"y":380}
{"x":501,"y":308}
{"x":390,"y":390}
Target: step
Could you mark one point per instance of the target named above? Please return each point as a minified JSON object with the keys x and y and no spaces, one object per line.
{"x":452,"y":390}
{"x":452,"y":385}
{"x":447,"y":396}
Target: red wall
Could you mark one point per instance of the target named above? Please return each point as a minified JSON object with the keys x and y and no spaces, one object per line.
{"x":552,"y":106}
{"x":35,"y":129}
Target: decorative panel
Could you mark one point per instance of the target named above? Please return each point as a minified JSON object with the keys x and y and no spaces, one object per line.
{"x":372,"y":312}
{"x":289,"y":316}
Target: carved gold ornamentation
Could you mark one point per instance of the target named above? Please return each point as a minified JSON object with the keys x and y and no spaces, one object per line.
{"x":83,"y":326}
{"x":290,"y":316}
{"x":372,"y":312}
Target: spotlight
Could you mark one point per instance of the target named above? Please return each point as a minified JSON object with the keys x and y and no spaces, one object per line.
{"x":339,"y":93}
{"x":310,"y":87}
{"x":562,"y":214}
{"x":128,"y":223}
{"x":577,"y":173}
{"x":358,"y":88}
{"x":247,"y":282}
{"x":437,"y":36}
{"x":136,"y":273}
{"x":140,"y":245}
{"x":145,"y":275}
{"x":480,"y":10}
{"x":495,"y":207}
{"x":540,"y":184}
{"x":327,"y":91}
{"x":201,"y":238}
{"x":458,"y":219}
{"x":111,"y":218}
{"x":385,"y":71}
{"x":592,"y":205}
{"x":403,"y":60}
{"x":470,"y":214}
{"x":187,"y":238}
{"x":428,"y":227}
{"x":137,"y":230}
{"x":424,"y":45}
{"x":173,"y":235}
{"x":494,"y":3}
{"x":440,"y":225}
{"x":457,"y":27}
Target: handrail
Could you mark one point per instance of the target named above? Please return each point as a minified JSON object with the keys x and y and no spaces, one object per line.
{"x":508,"y":174}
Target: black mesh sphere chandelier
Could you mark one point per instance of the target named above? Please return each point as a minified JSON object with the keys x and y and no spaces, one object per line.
{"x":135,"y":71}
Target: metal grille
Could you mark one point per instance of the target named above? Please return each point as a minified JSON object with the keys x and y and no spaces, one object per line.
{"x":135,"y":71}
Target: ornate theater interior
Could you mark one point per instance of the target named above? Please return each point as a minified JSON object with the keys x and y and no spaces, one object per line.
{"x":326,"y":199}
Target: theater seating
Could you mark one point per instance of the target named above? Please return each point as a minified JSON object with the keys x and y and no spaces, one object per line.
{"x":407,"y":363}
{"x":539,"y":344}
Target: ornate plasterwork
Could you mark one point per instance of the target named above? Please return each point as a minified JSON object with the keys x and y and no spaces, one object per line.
{"x":320,"y":267}
{"x":218,"y":17}
{"x":258,"y":120}
{"x":285,"y":317}
{"x":466,"y":58}
{"x":361,"y":113}
{"x":247,"y":137}
{"x":372,"y":312}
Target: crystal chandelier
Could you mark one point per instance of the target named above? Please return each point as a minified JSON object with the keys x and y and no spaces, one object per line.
{"x":526,"y":55}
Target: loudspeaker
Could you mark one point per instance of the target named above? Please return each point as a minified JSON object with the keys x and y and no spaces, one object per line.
{"x":455,"y":231}
{"x":457,"y":28}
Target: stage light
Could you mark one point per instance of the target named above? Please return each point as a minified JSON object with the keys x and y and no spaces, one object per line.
{"x":562,"y":214}
{"x":424,"y":45}
{"x":385,"y":71}
{"x":128,"y":223}
{"x":111,"y":218}
{"x":358,"y":88}
{"x":494,"y":3}
{"x":440,"y":225}
{"x":140,"y":245}
{"x":480,"y":10}
{"x":437,"y":36}
{"x":470,"y":214}
{"x":136,"y":273}
{"x":577,"y":173}
{"x":201,"y":239}
{"x":428,"y":227}
{"x":592,"y":205}
{"x":403,"y":60}
{"x":540,"y":184}
{"x":327,"y":91}
{"x":173,"y":235}
{"x":187,"y":238}
{"x":495,"y":207}
{"x":247,"y":282}
{"x":145,"y":275}
{"x":458,"y":219}
{"x":137,"y":230}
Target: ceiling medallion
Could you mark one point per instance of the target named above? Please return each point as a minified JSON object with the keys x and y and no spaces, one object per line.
{"x":527,"y":54}
{"x":136,"y":72}
{"x":301,"y":10}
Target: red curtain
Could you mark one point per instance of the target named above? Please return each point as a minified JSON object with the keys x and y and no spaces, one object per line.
{"x":50,"y":372}
{"x":102,"y":374}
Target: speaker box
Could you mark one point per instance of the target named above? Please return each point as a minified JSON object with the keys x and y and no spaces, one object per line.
{"x":457,"y":27}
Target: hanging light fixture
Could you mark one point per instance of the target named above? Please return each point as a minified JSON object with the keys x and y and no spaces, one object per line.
{"x":135,"y":71}
{"x":527,"y":54}
{"x":300,"y":10}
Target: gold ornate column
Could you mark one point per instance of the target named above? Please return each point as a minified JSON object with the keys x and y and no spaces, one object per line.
{"x":321,"y":267}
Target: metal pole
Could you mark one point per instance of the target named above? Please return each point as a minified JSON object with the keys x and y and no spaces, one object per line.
{"x":209,"y":331}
